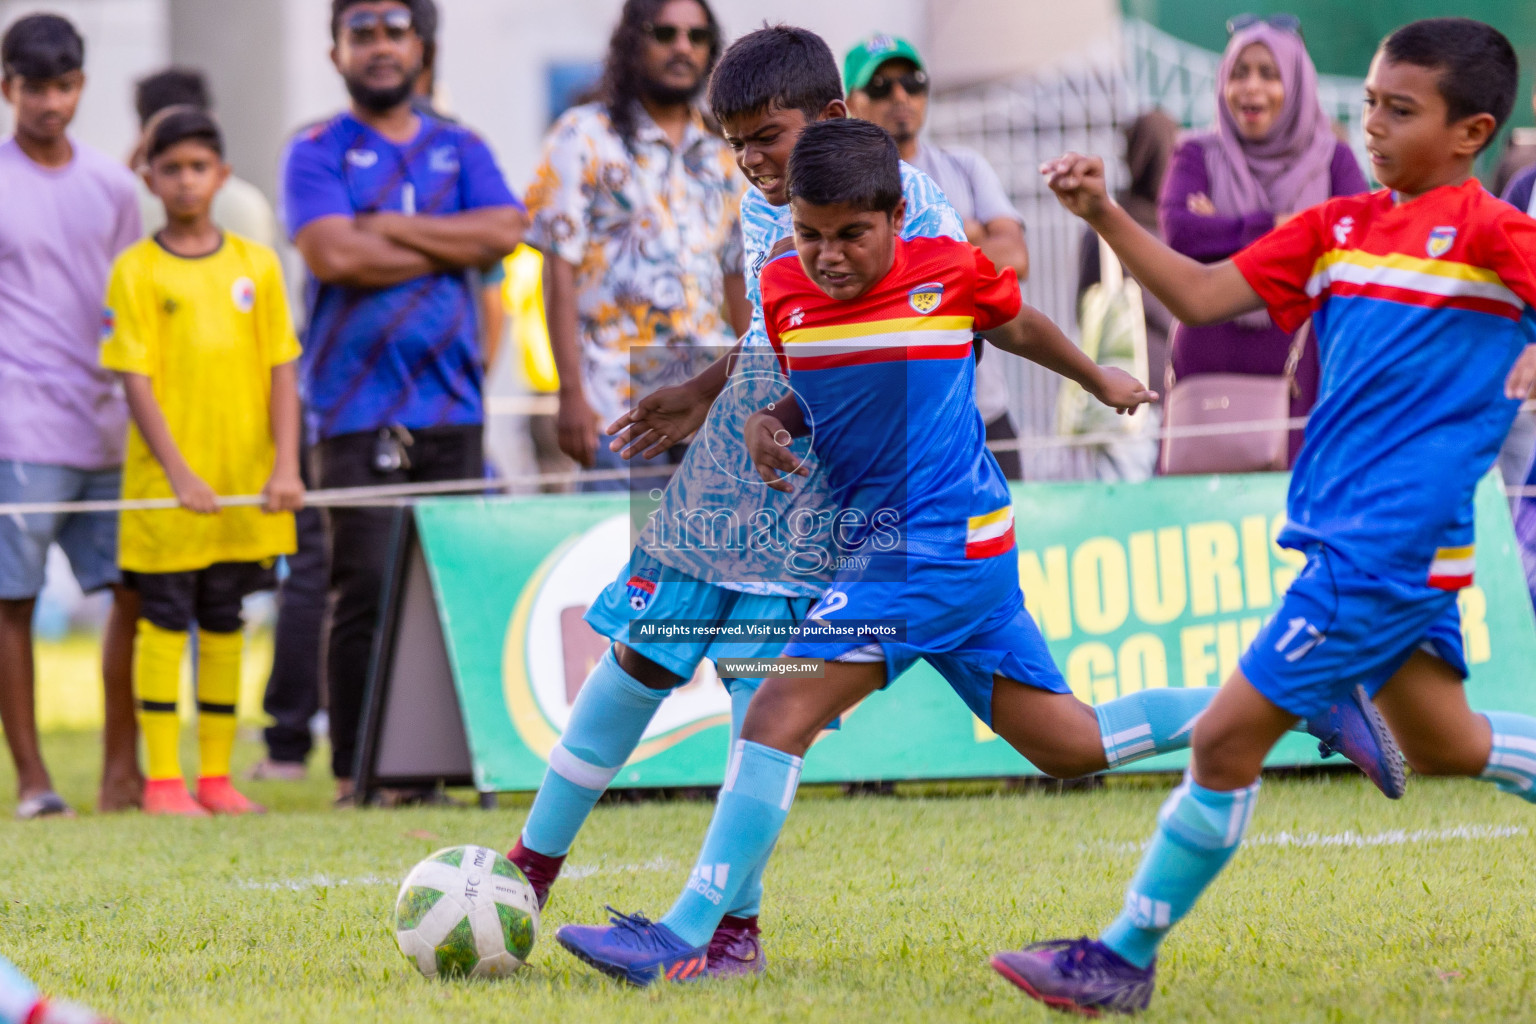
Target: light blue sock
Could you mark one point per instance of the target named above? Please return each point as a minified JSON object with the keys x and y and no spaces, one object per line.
{"x":610,"y":715}
{"x":1512,"y":762}
{"x":750,"y":901}
{"x":1198,"y":830}
{"x":17,"y":994}
{"x":754,"y":801}
{"x":1150,"y":722}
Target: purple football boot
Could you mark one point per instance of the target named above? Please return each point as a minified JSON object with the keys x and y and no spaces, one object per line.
{"x":735,"y":949}
{"x":1078,"y":976}
{"x":1353,"y":727}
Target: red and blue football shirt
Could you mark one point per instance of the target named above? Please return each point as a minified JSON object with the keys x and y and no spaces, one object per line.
{"x":886,"y":382}
{"x":1420,"y":309}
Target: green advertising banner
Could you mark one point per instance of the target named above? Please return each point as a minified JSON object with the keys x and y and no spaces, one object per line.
{"x":1134,"y":586}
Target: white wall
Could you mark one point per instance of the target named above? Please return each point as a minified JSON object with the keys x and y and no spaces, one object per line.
{"x":124,"y":40}
{"x":974,"y":40}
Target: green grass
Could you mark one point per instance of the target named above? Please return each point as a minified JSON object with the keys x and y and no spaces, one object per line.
{"x":880,"y":909}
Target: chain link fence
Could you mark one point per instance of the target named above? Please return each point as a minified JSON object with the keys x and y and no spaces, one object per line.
{"x":1019,"y":124}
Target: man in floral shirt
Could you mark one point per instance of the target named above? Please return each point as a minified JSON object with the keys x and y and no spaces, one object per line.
{"x":636,"y":207}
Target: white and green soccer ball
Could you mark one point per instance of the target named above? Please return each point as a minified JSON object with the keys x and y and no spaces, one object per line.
{"x":466,"y":911}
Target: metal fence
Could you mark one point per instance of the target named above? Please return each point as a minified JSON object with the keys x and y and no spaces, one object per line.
{"x":1019,"y":124}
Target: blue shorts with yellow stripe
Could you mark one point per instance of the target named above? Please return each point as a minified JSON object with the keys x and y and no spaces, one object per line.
{"x":1339,"y":626}
{"x":966,"y":619}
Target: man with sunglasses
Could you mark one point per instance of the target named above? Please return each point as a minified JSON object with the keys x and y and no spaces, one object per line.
{"x":886,"y":83}
{"x":635,"y":206}
{"x":391,"y":208}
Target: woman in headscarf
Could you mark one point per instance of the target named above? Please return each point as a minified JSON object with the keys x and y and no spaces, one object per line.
{"x":1272,"y":154}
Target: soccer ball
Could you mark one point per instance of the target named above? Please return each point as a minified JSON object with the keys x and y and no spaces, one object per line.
{"x":466,"y":911}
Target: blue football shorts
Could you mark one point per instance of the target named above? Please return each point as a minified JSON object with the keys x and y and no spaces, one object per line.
{"x":1339,"y":626}
{"x":966,"y":619}
{"x":648,"y":591}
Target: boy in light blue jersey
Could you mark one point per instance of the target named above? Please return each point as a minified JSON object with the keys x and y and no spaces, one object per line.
{"x":1423,"y":299}
{"x":767,"y":87}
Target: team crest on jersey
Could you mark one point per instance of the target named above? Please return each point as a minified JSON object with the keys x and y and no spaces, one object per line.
{"x":641,"y":589}
{"x":1440,"y":241}
{"x":925,"y":298}
{"x":444,"y":160}
{"x":1341,"y":229}
{"x":243,"y":291}
{"x":363,"y":158}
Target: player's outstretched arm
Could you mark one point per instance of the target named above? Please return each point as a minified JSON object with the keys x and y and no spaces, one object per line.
{"x":768,"y":433}
{"x":1195,"y":293}
{"x":1035,"y":337}
{"x":671,"y":414}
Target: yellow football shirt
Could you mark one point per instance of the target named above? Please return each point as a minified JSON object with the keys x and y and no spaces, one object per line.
{"x":206,"y":332}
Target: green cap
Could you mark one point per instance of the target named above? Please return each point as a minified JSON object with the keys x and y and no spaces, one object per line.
{"x":861,"y":62}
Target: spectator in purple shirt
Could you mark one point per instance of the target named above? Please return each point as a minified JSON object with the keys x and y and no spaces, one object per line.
{"x":1272,"y":154}
{"x":69,"y":210}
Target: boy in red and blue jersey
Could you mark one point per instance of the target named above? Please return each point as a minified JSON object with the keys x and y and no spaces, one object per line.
{"x":874,"y":333}
{"x":1421,"y":299}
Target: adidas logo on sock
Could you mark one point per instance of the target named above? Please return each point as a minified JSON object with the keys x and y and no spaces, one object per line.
{"x":1146,"y":912}
{"x":708,"y":880}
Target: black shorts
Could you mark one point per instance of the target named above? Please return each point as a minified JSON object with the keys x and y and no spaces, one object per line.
{"x":207,"y":598}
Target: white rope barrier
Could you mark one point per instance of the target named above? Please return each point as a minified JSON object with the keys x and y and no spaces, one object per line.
{"x":391,"y":495}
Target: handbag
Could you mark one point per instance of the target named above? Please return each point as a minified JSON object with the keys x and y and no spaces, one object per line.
{"x":1198,"y":407}
{"x":1113,"y":332}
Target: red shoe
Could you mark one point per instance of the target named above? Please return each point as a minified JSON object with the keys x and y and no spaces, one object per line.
{"x":170,"y":796}
{"x":216,"y":794}
{"x":540,"y":870}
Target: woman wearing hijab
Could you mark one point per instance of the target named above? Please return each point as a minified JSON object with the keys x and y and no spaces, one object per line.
{"x":1272,"y":154}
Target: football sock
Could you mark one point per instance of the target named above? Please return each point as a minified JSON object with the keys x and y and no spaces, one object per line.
{"x":1198,"y":830}
{"x":157,"y":657}
{"x":609,"y":717}
{"x":749,"y":901}
{"x":754,"y":801}
{"x":1512,"y":761}
{"x":218,"y":691}
{"x":17,"y":994}
{"x":1150,"y":722}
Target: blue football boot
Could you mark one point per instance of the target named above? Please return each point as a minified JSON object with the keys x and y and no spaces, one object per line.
{"x":1354,"y":728}
{"x":1078,"y":976}
{"x":634,"y":949}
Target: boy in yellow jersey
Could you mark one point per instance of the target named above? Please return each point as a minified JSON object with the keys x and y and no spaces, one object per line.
{"x":197,"y":323}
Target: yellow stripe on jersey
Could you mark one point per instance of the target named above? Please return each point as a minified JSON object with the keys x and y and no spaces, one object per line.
{"x":1414,"y":264}
{"x":998,"y":515}
{"x":993,"y":524}
{"x":843,"y":332}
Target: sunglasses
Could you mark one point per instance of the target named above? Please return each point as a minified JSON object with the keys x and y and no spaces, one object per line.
{"x":363,"y":26}
{"x":666,"y":35}
{"x":1281,"y":22}
{"x":913,"y":83}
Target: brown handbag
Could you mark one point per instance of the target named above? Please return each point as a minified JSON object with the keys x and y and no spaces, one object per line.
{"x":1231,"y":422}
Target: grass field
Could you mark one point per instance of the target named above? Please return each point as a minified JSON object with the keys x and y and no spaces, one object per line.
{"x":1343,"y":908}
